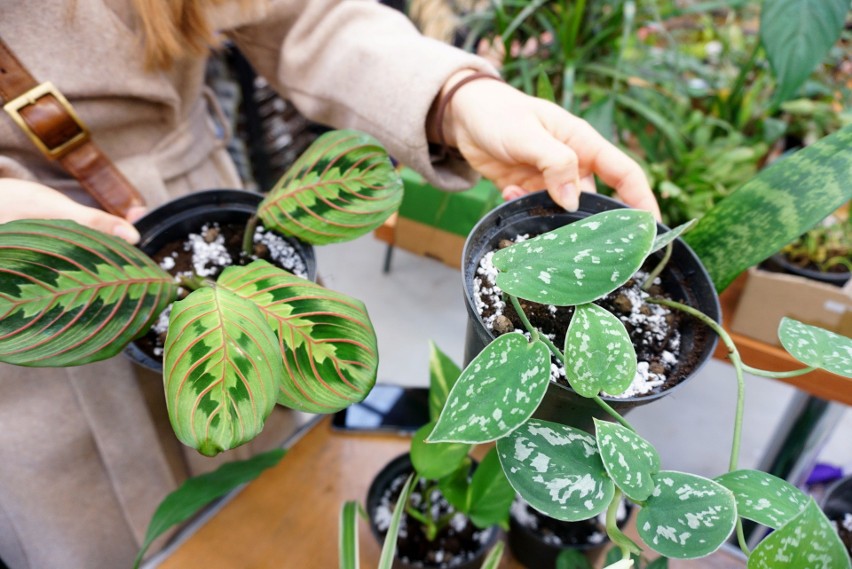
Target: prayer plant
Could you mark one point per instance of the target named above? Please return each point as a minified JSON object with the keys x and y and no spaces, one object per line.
{"x":258,"y":336}
{"x":572,"y":475}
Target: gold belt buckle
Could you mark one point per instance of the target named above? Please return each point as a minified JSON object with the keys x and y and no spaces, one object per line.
{"x":31,"y":97}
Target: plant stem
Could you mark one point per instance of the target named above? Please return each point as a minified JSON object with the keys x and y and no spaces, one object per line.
{"x":194,"y":282}
{"x":534,"y":334}
{"x":741,"y":540}
{"x":736,"y":361}
{"x":612,"y":412}
{"x":248,"y":235}
{"x":659,"y":268}
{"x":777,"y":374}
{"x":626,"y":544}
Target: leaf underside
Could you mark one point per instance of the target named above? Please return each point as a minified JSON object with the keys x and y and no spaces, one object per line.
{"x":70,"y":295}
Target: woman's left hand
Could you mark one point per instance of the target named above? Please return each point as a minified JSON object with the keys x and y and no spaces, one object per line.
{"x":524,"y":144}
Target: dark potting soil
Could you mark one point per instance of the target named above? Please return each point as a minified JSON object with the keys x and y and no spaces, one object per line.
{"x":206,"y":254}
{"x":457,"y":543}
{"x":655,"y":330}
{"x":844,"y":530}
{"x":585,"y":534}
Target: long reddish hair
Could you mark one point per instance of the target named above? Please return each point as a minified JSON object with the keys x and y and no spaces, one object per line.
{"x":173,"y":29}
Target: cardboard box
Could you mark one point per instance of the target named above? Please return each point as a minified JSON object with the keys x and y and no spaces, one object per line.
{"x":767,"y":297}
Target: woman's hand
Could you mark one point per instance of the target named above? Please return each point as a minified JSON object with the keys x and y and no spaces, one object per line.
{"x":524,"y":144}
{"x":22,"y":199}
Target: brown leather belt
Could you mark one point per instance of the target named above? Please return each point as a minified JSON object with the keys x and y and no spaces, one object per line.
{"x":49,"y":121}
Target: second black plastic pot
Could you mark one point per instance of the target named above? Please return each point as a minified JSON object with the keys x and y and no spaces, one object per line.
{"x":684,"y":278}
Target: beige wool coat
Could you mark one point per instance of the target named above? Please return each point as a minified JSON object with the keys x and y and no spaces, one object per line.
{"x":86,"y":453}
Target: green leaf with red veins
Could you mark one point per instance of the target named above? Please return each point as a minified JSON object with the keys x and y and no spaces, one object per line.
{"x":599,"y":355}
{"x":496,"y":393}
{"x":816,"y":347}
{"x":221,"y":368}
{"x":326,"y":338}
{"x":630,"y":460}
{"x":70,"y":295}
{"x":557,"y":469}
{"x":342,"y":187}
{"x":579,"y":262}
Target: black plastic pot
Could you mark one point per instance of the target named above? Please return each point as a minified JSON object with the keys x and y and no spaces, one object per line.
{"x":685,"y":279}
{"x":781,"y":264}
{"x":401,"y":467}
{"x":837,"y":502}
{"x":533,"y":550}
{"x":178,"y":218}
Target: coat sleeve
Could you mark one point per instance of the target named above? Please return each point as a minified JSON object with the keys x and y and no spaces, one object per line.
{"x":358,"y":64}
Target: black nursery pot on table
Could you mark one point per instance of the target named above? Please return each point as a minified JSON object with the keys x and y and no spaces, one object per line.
{"x":394,"y":474}
{"x":780,"y":263}
{"x":183,"y":216}
{"x":837,"y":506}
{"x":684,"y":279}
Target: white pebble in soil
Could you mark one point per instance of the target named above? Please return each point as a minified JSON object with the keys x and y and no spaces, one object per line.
{"x":281,"y":253}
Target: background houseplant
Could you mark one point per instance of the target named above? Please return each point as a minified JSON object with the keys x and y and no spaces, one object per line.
{"x":71,"y":295}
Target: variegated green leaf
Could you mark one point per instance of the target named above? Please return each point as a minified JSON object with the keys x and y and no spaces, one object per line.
{"x":443,"y":373}
{"x":808,"y":540}
{"x":326,"y":338}
{"x":348,"y":538}
{"x":630,"y":460}
{"x":435,"y":460}
{"x":579,"y":262}
{"x":221,"y":367}
{"x":497,"y":392}
{"x":599,"y":355}
{"x":342,"y":187}
{"x":764,"y":498}
{"x":687,"y":516}
{"x":665,"y":238}
{"x":816,"y":347}
{"x":389,"y":546}
{"x":492,"y":560}
{"x":70,"y":295}
{"x":557,"y":470}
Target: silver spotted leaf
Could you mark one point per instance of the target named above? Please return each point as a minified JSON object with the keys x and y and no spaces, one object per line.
{"x":764,"y":498}
{"x":630,"y":460}
{"x":70,"y":295}
{"x":342,"y":187}
{"x":816,"y":347}
{"x":808,"y":540}
{"x":686,"y":516}
{"x":221,"y":368}
{"x":664,"y":239}
{"x":599,"y":355}
{"x":326,"y":338}
{"x":557,"y":470}
{"x":579,"y":262}
{"x":496,"y":393}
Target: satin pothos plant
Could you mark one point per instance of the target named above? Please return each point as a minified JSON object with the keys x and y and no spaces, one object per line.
{"x":257,"y":336}
{"x":572,"y":475}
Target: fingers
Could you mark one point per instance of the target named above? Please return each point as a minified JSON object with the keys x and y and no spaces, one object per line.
{"x":105,"y":222}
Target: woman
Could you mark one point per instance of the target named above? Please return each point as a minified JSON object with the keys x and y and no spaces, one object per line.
{"x":85,"y":456}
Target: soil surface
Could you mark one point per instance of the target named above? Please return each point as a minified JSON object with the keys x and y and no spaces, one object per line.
{"x":206,"y":254}
{"x":584,"y":535}
{"x":457,"y":543}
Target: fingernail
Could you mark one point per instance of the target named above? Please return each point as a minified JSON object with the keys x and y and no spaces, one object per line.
{"x":570,"y":197}
{"x":126,"y":232}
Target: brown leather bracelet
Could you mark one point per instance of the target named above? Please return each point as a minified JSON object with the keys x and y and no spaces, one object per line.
{"x":444,"y":149}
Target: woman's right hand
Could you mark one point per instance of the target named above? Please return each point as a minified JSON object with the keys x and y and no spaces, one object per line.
{"x":22,"y":199}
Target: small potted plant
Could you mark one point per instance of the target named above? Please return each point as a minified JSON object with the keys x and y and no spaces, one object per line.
{"x":824,"y":253}
{"x":256,"y":336}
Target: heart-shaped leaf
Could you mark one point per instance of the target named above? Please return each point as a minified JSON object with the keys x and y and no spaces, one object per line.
{"x":664,"y":239}
{"x":687,"y":516}
{"x":70,"y":295}
{"x":808,"y":540}
{"x":342,"y":187}
{"x":443,"y":373}
{"x":630,"y":460}
{"x":326,"y":338}
{"x":557,"y":470}
{"x":579,"y":262}
{"x":435,"y":460}
{"x":221,"y":368}
{"x":763,"y":498}
{"x":816,"y":347}
{"x":599,"y":355}
{"x":490,"y":494}
{"x":496,"y":393}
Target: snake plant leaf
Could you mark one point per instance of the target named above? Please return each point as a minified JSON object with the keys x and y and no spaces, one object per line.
{"x":435,"y":460}
{"x":816,"y":347}
{"x":579,"y":262}
{"x":599,"y":355}
{"x":808,"y":540}
{"x":764,"y":498}
{"x":326,"y":338}
{"x":557,"y":470}
{"x":443,"y":373}
{"x":221,"y":368}
{"x":686,"y":516}
{"x":70,"y":295}
{"x":342,"y":187}
{"x":630,"y":460}
{"x":779,"y":204}
{"x":496,"y":393}
{"x":664,"y":239}
{"x":490,"y":493}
